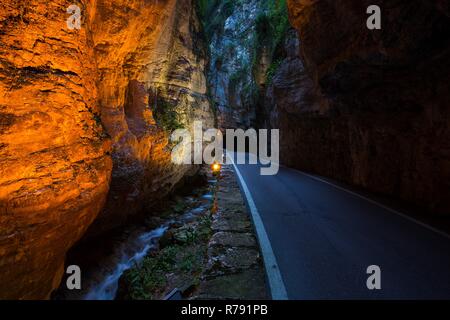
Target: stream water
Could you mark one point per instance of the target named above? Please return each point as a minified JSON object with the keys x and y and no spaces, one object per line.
{"x":132,"y":253}
{"x":104,"y":260}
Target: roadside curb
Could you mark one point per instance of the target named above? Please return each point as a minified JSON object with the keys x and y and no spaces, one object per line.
{"x":275,"y":280}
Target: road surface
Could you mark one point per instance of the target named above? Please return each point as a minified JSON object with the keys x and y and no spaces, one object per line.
{"x":324,"y":237}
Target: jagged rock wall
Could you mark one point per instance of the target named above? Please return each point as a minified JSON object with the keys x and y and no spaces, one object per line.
{"x":158,"y":58}
{"x":54,"y":162}
{"x":370,"y":108}
{"x":230,"y":76}
{"x":58,"y":89}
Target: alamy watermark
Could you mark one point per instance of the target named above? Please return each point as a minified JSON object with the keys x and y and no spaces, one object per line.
{"x":374,"y":20}
{"x":73,"y":281}
{"x":74,"y":21}
{"x":200,"y":146}
{"x":374,"y":280}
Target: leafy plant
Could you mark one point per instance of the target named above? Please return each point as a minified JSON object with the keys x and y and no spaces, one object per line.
{"x":166,"y":115}
{"x":179,"y":207}
{"x":271,"y":28}
{"x":272,"y":69}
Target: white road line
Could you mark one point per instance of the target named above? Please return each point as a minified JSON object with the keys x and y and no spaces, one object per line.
{"x":276,"y":284}
{"x":441,"y":233}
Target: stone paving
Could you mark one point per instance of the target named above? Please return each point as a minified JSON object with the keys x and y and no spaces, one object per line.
{"x":234,"y":269}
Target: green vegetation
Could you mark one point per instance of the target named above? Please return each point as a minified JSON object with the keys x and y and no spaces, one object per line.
{"x":271,"y":28}
{"x":182,"y":260}
{"x":213,"y":14}
{"x":166,"y":116}
{"x":272,"y":24}
{"x":146,"y":279}
{"x":272,"y":69}
{"x":150,"y":279}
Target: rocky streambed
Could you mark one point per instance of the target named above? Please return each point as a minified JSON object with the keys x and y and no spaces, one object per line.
{"x":200,"y":242}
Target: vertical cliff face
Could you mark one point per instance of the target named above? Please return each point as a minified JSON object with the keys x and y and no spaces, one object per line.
{"x":151,"y":64}
{"x":230,"y":27}
{"x":71,"y":101}
{"x":54,"y":163}
{"x":369,"y":107}
{"x":291,"y":98}
{"x":244,"y":40}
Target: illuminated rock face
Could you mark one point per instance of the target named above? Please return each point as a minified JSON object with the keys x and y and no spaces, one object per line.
{"x":54,"y":167}
{"x":378,"y":108}
{"x":150,"y":56}
{"x":71,"y":101}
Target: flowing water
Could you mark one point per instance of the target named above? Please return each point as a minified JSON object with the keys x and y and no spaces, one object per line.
{"x":103,"y":261}
{"x":132,"y":253}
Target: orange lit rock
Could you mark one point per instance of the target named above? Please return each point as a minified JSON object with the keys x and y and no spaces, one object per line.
{"x":148,"y":52}
{"x":58,"y":89}
{"x":54,"y":166}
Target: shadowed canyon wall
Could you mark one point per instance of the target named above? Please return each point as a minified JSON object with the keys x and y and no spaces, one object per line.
{"x":244,"y":37}
{"x":370,"y":108}
{"x":230,"y":27}
{"x":74,"y":104}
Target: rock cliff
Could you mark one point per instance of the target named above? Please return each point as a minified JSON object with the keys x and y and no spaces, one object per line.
{"x":151,"y":62}
{"x":369,"y":107}
{"x":231,"y":31}
{"x":54,"y":162}
{"x":244,"y":40}
{"x":74,"y":103}
{"x":85,"y":114}
{"x":366,"y":107}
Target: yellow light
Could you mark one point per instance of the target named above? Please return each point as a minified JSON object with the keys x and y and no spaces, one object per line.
{"x":216,"y":167}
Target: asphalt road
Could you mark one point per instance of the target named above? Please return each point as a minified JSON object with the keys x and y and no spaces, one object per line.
{"x":324,"y":238}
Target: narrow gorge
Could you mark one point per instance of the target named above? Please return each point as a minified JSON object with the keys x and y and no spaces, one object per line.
{"x":86,"y":114}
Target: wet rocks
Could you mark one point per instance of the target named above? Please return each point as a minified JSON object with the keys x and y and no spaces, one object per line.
{"x":178,"y":260}
{"x":195,"y":257}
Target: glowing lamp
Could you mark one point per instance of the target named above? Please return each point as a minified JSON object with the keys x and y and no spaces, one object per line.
{"x":215,"y":167}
